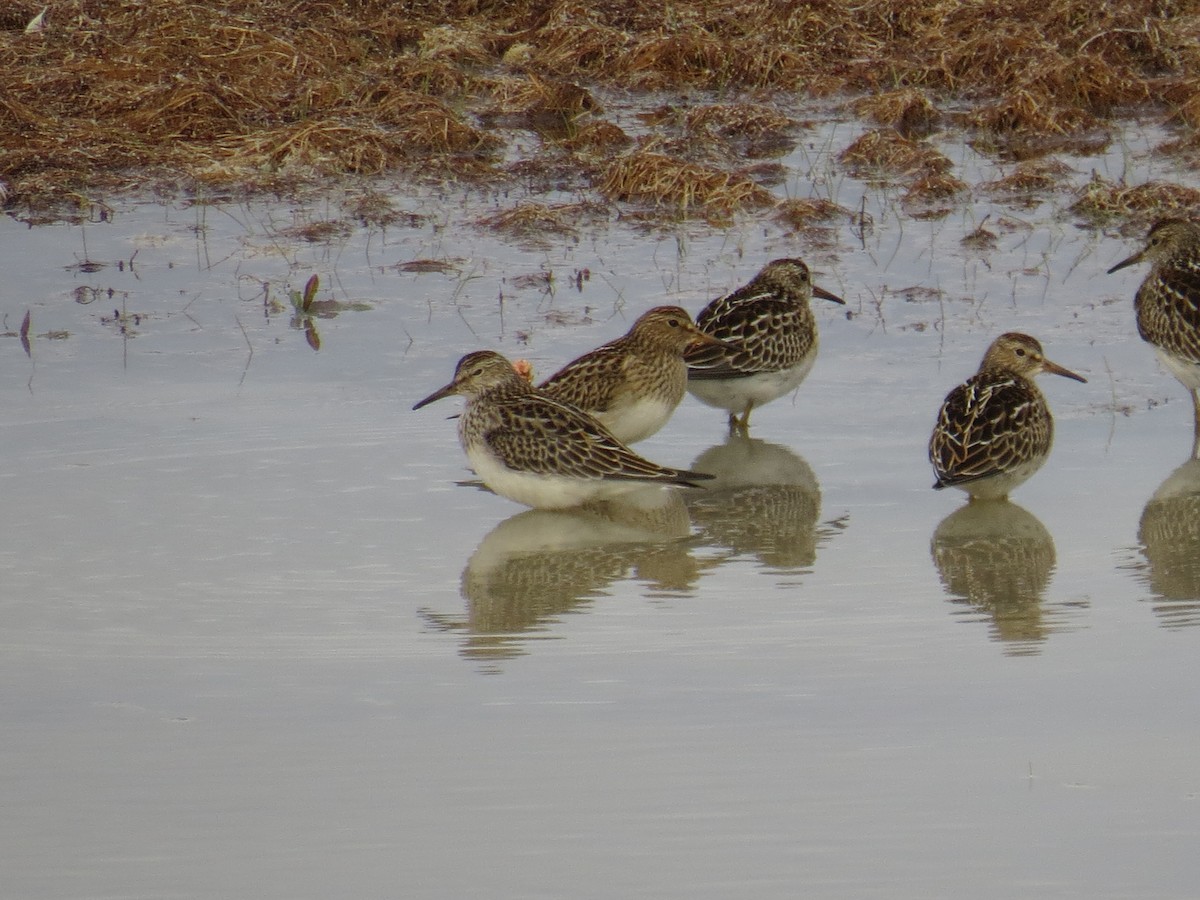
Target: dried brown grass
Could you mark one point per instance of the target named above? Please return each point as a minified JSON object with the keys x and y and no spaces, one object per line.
{"x":259,"y":92}
{"x":597,"y":138}
{"x":910,"y":112}
{"x":801,"y":215}
{"x":535,"y":102}
{"x":657,"y":180}
{"x":722,"y":132}
{"x":933,"y":191}
{"x":887,"y":153}
{"x":529,"y":219}
{"x":1029,"y":182}
{"x":752,"y":130}
{"x":981,"y":238}
{"x":1101,"y":201}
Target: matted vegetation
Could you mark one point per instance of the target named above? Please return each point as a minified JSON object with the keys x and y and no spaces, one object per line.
{"x":661,"y":180}
{"x":808,"y":217}
{"x":883,"y":153}
{"x":272,"y":94}
{"x":529,"y":220}
{"x":910,"y":112}
{"x":1030,"y":182}
{"x":1103,"y":201}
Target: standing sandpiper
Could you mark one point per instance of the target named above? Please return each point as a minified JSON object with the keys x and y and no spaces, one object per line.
{"x":994,"y":430}
{"x":771,"y":341}
{"x":531,"y":448}
{"x":633,"y":384}
{"x":1168,"y":303}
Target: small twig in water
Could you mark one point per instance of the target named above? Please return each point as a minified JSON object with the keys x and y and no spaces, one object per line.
{"x":249,"y":346}
{"x":1112,"y":384}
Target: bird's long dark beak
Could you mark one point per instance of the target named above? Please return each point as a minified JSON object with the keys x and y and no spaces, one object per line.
{"x":1055,"y":369}
{"x":436,"y":395}
{"x":819,"y":291}
{"x":1128,"y":261}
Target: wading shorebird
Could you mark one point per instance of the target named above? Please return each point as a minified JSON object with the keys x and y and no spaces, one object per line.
{"x":994,"y":430}
{"x":632,"y":385}
{"x":1167,"y":304}
{"x":770,"y":341}
{"x":535,"y":450}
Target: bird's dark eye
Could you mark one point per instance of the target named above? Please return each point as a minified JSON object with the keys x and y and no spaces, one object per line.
{"x":674,"y":323}
{"x":1020,"y":351}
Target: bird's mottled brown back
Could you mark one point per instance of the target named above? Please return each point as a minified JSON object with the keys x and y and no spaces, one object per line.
{"x":988,"y":425}
{"x":1167,"y":305}
{"x":648,"y":360}
{"x":768,"y":321}
{"x":532,"y":432}
{"x":588,"y":382}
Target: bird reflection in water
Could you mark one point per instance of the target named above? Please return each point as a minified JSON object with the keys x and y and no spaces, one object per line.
{"x":764,"y":500}
{"x":997,"y":558}
{"x":538,"y":565}
{"x":1169,"y":538}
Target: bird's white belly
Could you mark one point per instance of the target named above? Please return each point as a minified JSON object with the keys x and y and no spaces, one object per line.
{"x":543,"y":491}
{"x":636,"y":421}
{"x":999,"y":486}
{"x":1186,"y":372}
{"x":734,"y":394}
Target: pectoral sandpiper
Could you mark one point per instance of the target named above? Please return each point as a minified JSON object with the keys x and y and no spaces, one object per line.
{"x":994,"y":430}
{"x":633,"y":384}
{"x":1168,"y":303}
{"x":770,"y":336}
{"x":531,"y":448}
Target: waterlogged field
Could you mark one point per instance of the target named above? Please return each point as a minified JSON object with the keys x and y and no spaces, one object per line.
{"x":259,"y":640}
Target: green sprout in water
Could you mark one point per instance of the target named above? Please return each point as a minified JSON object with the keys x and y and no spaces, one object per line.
{"x":302,"y":303}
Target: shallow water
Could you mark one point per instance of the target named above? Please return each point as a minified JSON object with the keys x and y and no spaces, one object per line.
{"x":258,"y":641}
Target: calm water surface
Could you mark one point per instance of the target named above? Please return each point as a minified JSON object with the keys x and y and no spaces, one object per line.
{"x":259,"y":641}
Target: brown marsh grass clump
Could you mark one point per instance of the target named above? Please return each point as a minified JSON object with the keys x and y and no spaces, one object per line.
{"x":1187,"y":112}
{"x":684,"y":188}
{"x":1050,"y":50}
{"x":981,"y":238}
{"x":1101,"y":201}
{"x":768,"y":174}
{"x":803,"y":215}
{"x":529,"y":220}
{"x":539,"y":103}
{"x":932,"y":195}
{"x":887,"y":153}
{"x":1030,"y":182}
{"x":752,"y":130}
{"x":910,"y":112}
{"x":597,"y":139}
{"x":720,"y":132}
{"x":1186,"y":119}
{"x":213,"y":93}
{"x":320,"y":147}
{"x":1023,"y":125}
{"x":115,"y":94}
